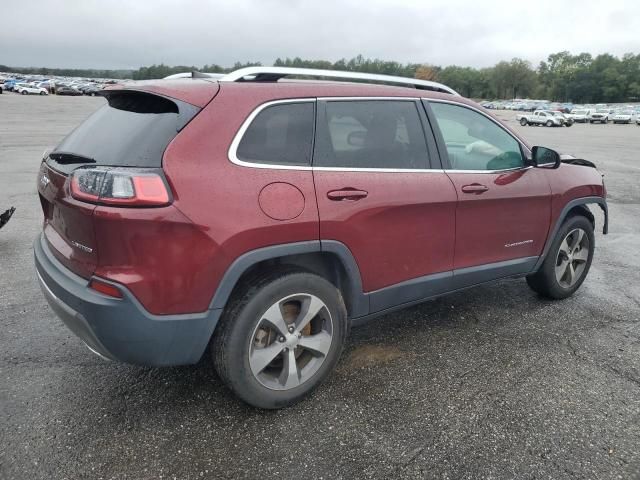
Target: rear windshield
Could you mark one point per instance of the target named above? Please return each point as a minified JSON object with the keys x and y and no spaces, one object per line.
{"x":132,"y":130}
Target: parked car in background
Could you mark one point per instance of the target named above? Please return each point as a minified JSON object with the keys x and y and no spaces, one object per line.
{"x":92,"y":90}
{"x":149,"y":258}
{"x":624,"y":116}
{"x":26,"y":89}
{"x":46,"y":85}
{"x":601,"y":115}
{"x":544,"y":117}
{"x":63,"y":90}
{"x":10,"y":84}
{"x":567,"y":121}
{"x":580,"y":115}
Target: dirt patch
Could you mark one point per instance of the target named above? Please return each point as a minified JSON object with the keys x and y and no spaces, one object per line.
{"x":368,"y":355}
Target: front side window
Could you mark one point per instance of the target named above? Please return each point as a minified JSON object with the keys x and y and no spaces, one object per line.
{"x":280,"y":134}
{"x":473,"y":141}
{"x":371,"y":134}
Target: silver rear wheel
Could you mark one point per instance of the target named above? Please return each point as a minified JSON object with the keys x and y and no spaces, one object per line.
{"x":291,"y":341}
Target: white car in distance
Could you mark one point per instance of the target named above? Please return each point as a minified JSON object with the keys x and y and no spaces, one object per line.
{"x":600,"y":115}
{"x":580,"y":115}
{"x":624,"y":116}
{"x":25,"y":89}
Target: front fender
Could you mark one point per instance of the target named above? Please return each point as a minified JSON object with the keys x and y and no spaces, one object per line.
{"x":583,"y":201}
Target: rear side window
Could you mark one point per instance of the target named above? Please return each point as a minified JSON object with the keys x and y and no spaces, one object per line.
{"x":280,"y":134}
{"x":371,"y":134}
{"x":132,"y":130}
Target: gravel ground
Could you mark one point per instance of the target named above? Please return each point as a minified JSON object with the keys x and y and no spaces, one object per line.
{"x":489,"y":383}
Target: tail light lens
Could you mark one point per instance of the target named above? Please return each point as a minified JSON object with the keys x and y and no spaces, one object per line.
{"x":120,"y":187}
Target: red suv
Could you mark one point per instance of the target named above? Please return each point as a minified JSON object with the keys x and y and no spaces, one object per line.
{"x":263,"y":217}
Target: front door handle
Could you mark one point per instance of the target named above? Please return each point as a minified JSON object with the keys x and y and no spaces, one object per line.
{"x":346,"y":194}
{"x":475,"y":188}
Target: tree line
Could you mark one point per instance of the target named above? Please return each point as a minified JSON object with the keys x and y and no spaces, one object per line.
{"x":562,"y":77}
{"x":69,"y":72}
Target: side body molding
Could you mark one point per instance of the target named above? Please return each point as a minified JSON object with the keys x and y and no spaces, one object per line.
{"x":600,"y":201}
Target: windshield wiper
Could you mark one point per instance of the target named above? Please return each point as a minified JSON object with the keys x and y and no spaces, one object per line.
{"x":67,"y":158}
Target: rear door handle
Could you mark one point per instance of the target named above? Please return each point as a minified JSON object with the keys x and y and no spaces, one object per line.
{"x":346,"y":194}
{"x":475,"y":188}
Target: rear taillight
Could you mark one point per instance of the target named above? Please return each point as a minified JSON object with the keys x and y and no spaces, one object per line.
{"x":120,"y":187}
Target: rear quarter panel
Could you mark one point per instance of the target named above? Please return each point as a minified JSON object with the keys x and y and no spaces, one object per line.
{"x":223,"y":199}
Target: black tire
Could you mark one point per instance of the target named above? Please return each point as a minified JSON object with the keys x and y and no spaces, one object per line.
{"x":24,"y":92}
{"x":568,"y":124}
{"x":236,"y":333}
{"x":544,"y":281}
{"x":549,"y":123}
{"x":42,"y":93}
{"x":523,"y":122}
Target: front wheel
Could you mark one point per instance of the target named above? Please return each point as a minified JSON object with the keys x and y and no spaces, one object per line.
{"x":568,"y":260}
{"x":42,"y":93}
{"x":280,"y":338}
{"x":523,"y":122}
{"x":549,"y":123}
{"x":23,"y":92}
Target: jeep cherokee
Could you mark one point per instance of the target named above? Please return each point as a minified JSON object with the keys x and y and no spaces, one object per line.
{"x":263,"y":216}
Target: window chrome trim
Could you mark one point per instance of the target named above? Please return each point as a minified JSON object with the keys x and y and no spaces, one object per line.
{"x":233,"y":157}
{"x":379,"y":170}
{"x":367,"y":99}
{"x":506,"y":170}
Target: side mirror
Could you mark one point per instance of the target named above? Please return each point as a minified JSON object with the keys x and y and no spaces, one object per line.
{"x":544,"y":157}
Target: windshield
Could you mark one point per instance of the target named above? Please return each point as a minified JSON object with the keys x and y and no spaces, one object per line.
{"x":626,"y":112}
{"x":580,"y":112}
{"x":602,"y":110}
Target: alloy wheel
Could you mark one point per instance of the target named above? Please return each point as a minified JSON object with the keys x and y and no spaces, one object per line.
{"x":291,"y":341}
{"x":572,"y":258}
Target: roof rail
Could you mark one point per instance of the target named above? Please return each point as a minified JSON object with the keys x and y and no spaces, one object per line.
{"x":194,"y":74}
{"x":273,"y":74}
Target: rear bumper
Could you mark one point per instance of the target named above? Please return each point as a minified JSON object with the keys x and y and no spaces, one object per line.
{"x":121,"y":329}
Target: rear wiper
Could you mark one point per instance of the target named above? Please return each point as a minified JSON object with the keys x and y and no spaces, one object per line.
{"x":67,"y":158}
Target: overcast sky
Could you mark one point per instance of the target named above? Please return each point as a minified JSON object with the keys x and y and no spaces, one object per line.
{"x":133,"y":33}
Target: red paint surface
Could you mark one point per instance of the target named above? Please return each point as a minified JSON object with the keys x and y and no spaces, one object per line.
{"x":404,"y":228}
{"x":515,"y":208}
{"x":67,"y":220}
{"x":281,"y":201}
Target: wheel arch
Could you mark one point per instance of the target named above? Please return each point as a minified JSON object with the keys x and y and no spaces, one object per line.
{"x":577,"y":206}
{"x":329,"y":259}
